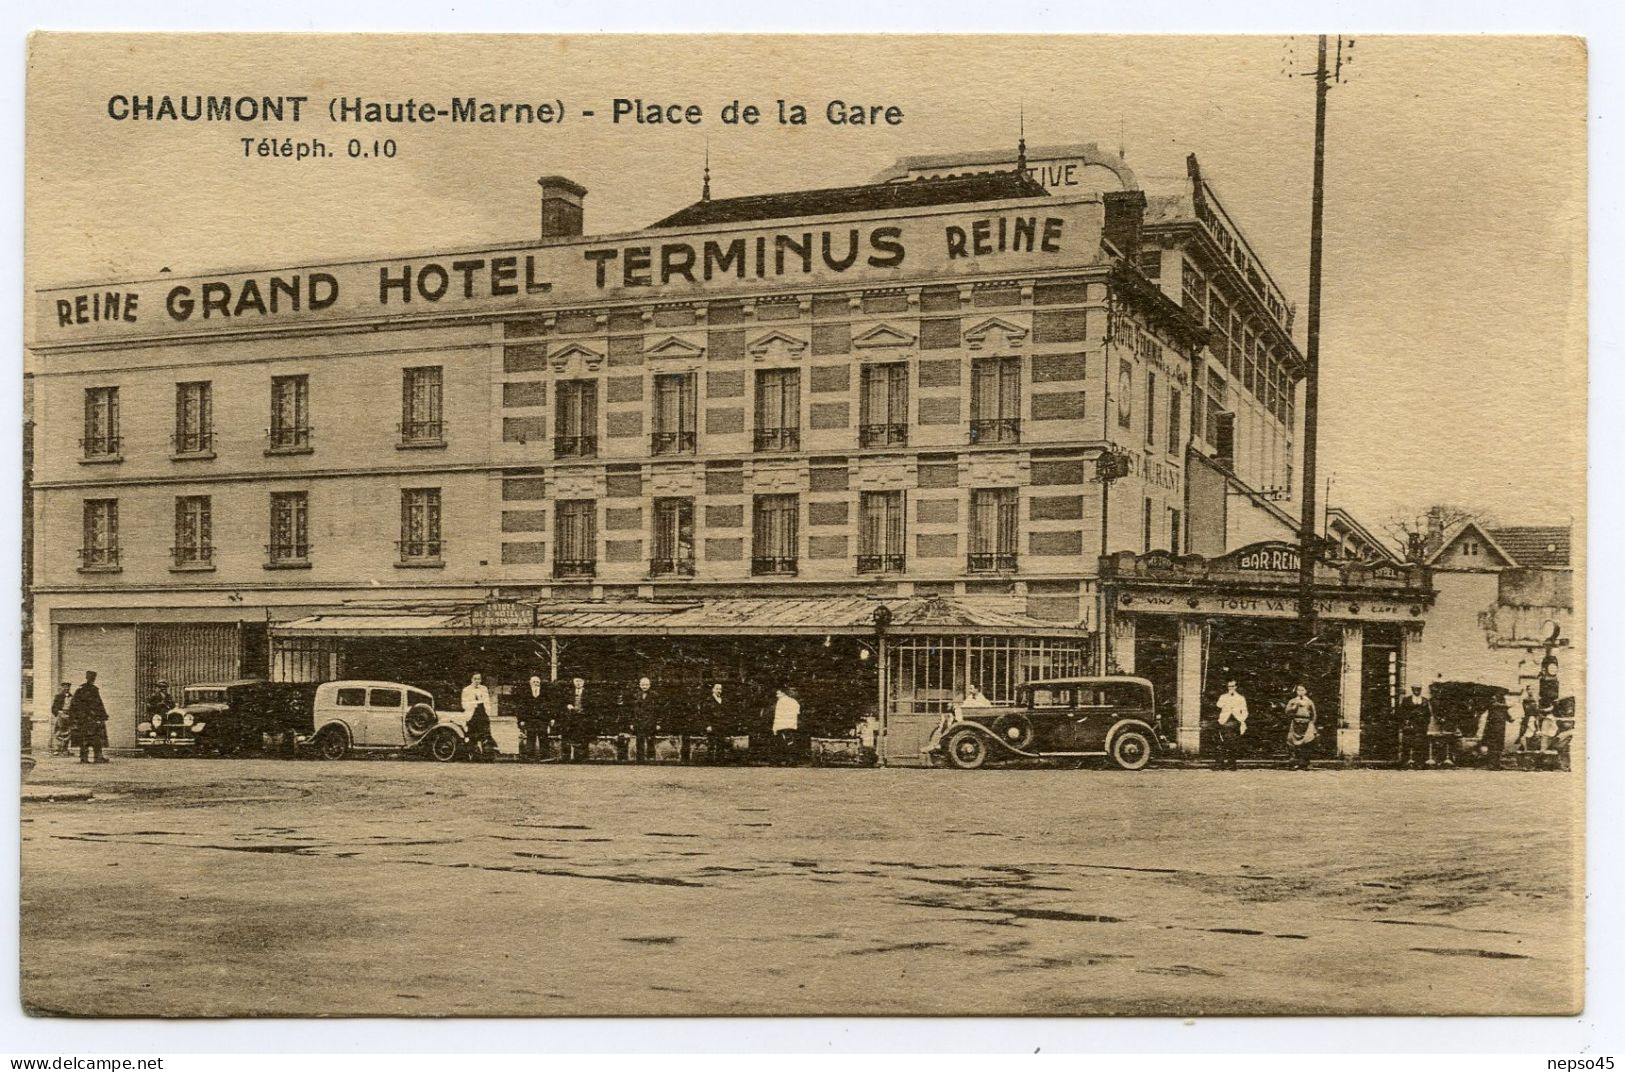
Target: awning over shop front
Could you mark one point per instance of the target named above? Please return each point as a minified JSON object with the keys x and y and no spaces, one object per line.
{"x":744,"y":616}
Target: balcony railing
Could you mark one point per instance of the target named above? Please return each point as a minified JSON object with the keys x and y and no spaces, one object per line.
{"x":98,"y":557}
{"x":194,"y":442}
{"x":101,"y":446}
{"x":420,"y":550}
{"x":883,"y":435}
{"x":192,"y":556}
{"x":419,"y":433}
{"x":881,"y":563}
{"x":292,"y":437}
{"x":996,"y":430}
{"x":577,"y":446}
{"x":991,"y":561}
{"x":671,"y":442}
{"x":770,"y":566}
{"x":778,"y":439}
{"x":671,"y":567}
{"x":574,"y":567}
{"x":287,"y":554}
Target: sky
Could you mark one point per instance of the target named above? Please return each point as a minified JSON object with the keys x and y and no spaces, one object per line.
{"x":1453,"y":345}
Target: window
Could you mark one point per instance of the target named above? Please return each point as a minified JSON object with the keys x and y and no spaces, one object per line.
{"x":881,"y":539}
{"x":350,"y":698}
{"x":778,"y":409}
{"x":575,"y":543}
{"x":420,"y":525}
{"x":1145,"y":537}
{"x":774,"y":534}
{"x":1150,"y":409}
{"x":101,"y":423}
{"x":674,"y":414}
{"x":1175,"y":534}
{"x":194,"y":418}
{"x":575,"y":424}
{"x":290,"y":528}
{"x":420,"y":406}
{"x":1125,"y":394}
{"x":290,"y":413}
{"x":993,"y":513}
{"x":384,"y":698}
{"x":100,"y":547}
{"x":1193,"y":291}
{"x":1150,"y":262}
{"x":884,"y":406}
{"x":1175,"y":400}
{"x":995,"y":401}
{"x":193,"y":535}
{"x":673,"y":538}
{"x":1215,"y":404}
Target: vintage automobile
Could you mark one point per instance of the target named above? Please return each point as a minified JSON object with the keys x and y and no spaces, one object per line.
{"x":225,"y":717}
{"x":1076,"y":718}
{"x":384,"y":716}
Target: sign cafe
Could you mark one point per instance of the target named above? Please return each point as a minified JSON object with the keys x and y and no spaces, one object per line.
{"x":887,"y":251}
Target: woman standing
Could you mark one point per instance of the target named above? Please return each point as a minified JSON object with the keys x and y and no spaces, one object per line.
{"x":1300,"y":732}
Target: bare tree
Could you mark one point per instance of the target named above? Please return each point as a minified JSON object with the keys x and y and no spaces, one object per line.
{"x":1420,"y":533}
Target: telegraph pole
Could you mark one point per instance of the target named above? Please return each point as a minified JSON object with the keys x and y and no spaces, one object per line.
{"x":1308,"y":526}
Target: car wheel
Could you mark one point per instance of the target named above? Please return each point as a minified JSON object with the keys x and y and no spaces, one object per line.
{"x":332,"y":743}
{"x":1131,"y":750}
{"x":1014,"y":729}
{"x":444,"y":746}
{"x":966,"y":749}
{"x":420,"y":718}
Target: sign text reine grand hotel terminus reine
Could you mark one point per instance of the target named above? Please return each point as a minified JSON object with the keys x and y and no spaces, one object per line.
{"x":878,"y":250}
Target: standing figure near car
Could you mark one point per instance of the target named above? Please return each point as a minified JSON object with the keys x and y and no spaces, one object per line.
{"x":577,"y":720}
{"x":1231,"y":727}
{"x":643,"y":718}
{"x":1300,"y":728}
{"x":1441,"y":740}
{"x":477,"y":706}
{"x":60,"y":723}
{"x":786,"y":725}
{"x":159,"y":701}
{"x":535,"y":711}
{"x":88,"y":719}
{"x":1415,"y":712}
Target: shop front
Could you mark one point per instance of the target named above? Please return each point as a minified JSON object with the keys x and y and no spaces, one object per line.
{"x":883,"y":671}
{"x":1192,"y":624}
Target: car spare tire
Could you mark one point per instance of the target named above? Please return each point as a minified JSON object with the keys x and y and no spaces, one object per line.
{"x":420,"y":718}
{"x":1014,"y":729}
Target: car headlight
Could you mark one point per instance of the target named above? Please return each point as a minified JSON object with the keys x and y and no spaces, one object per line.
{"x":187,"y":720}
{"x":143,"y":727}
{"x":197,"y":727}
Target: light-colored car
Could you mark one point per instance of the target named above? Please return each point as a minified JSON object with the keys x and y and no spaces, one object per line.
{"x":384,"y":716}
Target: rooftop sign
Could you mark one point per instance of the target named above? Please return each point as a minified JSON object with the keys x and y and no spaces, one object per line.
{"x":1032,"y":235}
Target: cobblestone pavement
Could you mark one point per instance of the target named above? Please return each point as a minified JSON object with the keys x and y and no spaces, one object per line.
{"x":194,"y":887}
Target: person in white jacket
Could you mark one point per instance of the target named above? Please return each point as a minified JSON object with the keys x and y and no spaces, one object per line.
{"x":477,"y":706}
{"x":1232,"y":725}
{"x":786,"y":724}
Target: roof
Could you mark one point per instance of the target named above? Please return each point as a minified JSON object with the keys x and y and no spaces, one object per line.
{"x":761,"y":615}
{"x":1534,"y":546}
{"x":1377,"y":548}
{"x":995,"y":186}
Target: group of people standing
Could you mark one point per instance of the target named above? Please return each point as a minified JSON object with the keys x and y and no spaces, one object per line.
{"x":79,"y":720}
{"x":1231,"y":726}
{"x":575,"y":713}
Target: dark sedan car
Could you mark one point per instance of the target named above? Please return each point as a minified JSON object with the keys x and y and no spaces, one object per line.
{"x":222,"y":718}
{"x":1074,"y":718}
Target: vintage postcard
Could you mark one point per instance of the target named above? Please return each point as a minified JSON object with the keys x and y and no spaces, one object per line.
{"x":751,"y":525}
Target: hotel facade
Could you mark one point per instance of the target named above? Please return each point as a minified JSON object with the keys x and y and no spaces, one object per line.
{"x":988,"y":418}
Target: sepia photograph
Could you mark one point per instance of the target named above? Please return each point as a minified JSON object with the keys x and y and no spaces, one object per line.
{"x":868,"y":525}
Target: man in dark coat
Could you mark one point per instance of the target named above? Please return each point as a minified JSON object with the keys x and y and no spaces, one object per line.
{"x":89,"y":719}
{"x":534,"y":710}
{"x":716,"y":718}
{"x":578,"y":719}
{"x":1415,"y":712}
{"x":61,"y":725}
{"x":643,"y":718}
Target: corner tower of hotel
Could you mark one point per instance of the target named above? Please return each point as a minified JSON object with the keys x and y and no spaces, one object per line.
{"x":850,"y":439}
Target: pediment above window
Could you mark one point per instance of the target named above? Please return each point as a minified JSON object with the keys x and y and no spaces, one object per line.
{"x":1001,"y":333}
{"x":883,"y":336}
{"x":671,"y":346}
{"x":577,"y":353}
{"x":777,"y":345}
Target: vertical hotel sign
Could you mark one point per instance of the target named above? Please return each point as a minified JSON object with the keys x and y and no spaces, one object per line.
{"x":1032,"y":235}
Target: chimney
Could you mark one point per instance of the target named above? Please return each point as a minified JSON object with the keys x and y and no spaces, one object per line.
{"x":562,"y":214}
{"x":1125,"y":215}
